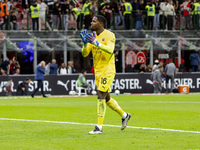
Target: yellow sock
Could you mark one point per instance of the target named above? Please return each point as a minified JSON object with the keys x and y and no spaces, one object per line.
{"x":114,"y":106}
{"x":101,"y":110}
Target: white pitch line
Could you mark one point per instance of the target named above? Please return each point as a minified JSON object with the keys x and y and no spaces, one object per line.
{"x":92,"y":124}
{"x":168,"y":102}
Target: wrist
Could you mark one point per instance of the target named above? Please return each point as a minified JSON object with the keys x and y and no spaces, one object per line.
{"x":85,"y":44}
{"x":97,"y":43}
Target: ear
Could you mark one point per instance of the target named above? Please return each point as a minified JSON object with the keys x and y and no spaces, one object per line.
{"x":101,"y":24}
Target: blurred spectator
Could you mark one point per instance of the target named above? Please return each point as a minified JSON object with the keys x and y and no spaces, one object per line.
{"x":78,"y":3}
{"x":134,"y":5}
{"x":162,"y":14}
{"x":141,"y":7}
{"x":170,"y":15}
{"x":121,"y":8}
{"x":157,"y":80}
{"x":150,"y":8}
{"x":43,"y":13}
{"x":194,"y":61}
{"x":1,"y":23}
{"x":35,"y":12}
{"x":103,"y":5}
{"x":177,"y":10}
{"x":13,"y":66}
{"x":177,"y":69}
{"x":14,"y":25}
{"x":82,"y":80}
{"x":116,"y":12}
{"x":148,"y":68}
{"x":65,"y":9}
{"x":22,"y":88}
{"x":53,"y":67}
{"x":78,"y":15}
{"x":5,"y":65}
{"x":4,"y":14}
{"x":87,"y":13}
{"x":39,"y":77}
{"x":56,"y":15}
{"x":156,"y":62}
{"x":195,"y":14}
{"x":170,"y":71}
{"x":20,"y":7}
{"x":7,"y":87}
{"x":70,"y":68}
{"x":62,"y":69}
{"x":17,"y":72}
{"x":139,"y":20}
{"x":50,"y":4}
{"x":23,"y":11}
{"x":25,"y":3}
{"x":107,"y":13}
{"x":47,"y":69}
{"x":127,"y":9}
{"x":185,"y":7}
{"x":141,"y":68}
{"x":182,"y":68}
{"x":3,"y":73}
{"x":157,"y":15}
{"x":94,"y":9}
{"x":10,"y":4}
{"x":161,"y":64}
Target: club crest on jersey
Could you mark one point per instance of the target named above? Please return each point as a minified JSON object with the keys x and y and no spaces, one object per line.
{"x":103,"y":39}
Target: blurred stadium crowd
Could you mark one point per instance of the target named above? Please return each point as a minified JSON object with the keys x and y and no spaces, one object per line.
{"x":120,"y":14}
{"x":12,"y":67}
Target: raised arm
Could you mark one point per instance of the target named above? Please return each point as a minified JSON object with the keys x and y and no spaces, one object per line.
{"x":109,"y":47}
{"x":87,"y":47}
{"x":42,"y":70}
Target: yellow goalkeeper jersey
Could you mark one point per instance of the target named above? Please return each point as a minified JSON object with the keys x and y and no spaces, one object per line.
{"x":103,"y":56}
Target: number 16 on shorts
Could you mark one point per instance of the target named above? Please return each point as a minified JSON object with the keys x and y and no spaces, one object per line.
{"x":103,"y":81}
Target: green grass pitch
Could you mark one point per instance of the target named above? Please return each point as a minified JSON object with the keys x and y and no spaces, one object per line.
{"x":178,"y":112}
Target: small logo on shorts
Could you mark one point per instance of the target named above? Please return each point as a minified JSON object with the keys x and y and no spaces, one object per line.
{"x":103,"y":39}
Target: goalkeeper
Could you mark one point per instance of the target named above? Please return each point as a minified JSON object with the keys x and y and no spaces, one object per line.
{"x":102,"y":44}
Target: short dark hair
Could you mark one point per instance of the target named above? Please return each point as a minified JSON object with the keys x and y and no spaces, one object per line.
{"x":83,"y":71}
{"x":101,"y":19}
{"x":27,"y":79}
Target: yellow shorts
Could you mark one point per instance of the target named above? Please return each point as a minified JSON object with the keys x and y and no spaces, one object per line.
{"x":104,"y":82}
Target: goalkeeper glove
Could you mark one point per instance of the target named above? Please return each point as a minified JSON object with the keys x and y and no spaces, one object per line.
{"x":83,"y":34}
{"x":91,"y":38}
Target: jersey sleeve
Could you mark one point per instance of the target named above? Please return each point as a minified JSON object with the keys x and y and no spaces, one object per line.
{"x":86,"y":49}
{"x":110,"y":44}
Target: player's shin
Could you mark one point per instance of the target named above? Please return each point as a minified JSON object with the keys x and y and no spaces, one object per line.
{"x":101,"y":110}
{"x":115,"y":106}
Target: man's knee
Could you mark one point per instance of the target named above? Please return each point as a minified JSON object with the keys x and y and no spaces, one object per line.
{"x":108,"y":97}
{"x":102,"y":95}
